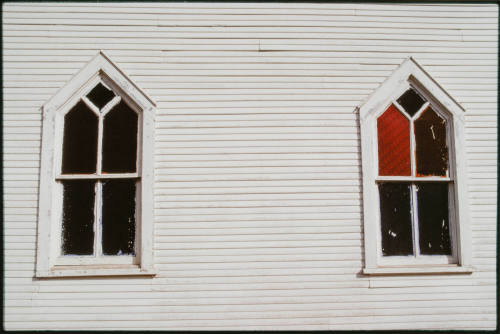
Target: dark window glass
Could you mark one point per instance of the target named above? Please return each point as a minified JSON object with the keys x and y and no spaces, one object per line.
{"x":118,"y":217}
{"x":78,"y":217}
{"x":100,"y":95}
{"x":411,"y":101}
{"x":119,"y":148}
{"x":395,"y":212}
{"x":80,"y":140}
{"x":431,"y":149}
{"x":434,"y":232}
{"x":393,"y":143}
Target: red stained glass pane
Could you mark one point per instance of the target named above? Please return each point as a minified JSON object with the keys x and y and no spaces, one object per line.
{"x":393,"y":143}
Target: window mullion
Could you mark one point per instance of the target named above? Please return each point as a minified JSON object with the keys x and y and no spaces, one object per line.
{"x":415,"y":229}
{"x":99,"y":145}
{"x":90,"y":105}
{"x":94,"y":177}
{"x":413,"y":196}
{"x":98,"y":220}
{"x":421,"y":110}
{"x":412,"y":150}
{"x":110,"y":105}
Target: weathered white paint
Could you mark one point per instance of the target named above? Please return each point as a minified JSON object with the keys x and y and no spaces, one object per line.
{"x":258,"y":207}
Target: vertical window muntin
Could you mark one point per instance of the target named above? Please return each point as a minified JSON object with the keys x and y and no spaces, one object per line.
{"x":413,"y":180}
{"x":99,"y":176}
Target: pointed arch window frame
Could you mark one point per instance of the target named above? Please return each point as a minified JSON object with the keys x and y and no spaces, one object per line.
{"x":411,"y":74}
{"x":48,"y":263}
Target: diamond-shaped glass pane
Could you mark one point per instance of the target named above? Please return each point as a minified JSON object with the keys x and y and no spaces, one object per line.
{"x":411,"y":102}
{"x":100,"y":95}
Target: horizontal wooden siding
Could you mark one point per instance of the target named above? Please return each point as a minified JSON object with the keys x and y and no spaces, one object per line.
{"x":258,"y":206}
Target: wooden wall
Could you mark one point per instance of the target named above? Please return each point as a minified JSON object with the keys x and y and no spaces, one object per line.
{"x":258,"y":208}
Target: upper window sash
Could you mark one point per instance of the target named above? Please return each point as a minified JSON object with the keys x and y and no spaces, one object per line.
{"x":427,"y":106}
{"x":101,"y":117}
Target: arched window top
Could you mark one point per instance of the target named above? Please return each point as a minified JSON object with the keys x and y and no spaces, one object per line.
{"x":99,"y":82}
{"x":100,"y":133}
{"x":414,"y":177}
{"x":411,"y":87}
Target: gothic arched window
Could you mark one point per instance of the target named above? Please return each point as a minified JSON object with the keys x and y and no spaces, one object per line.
{"x":96,"y":176}
{"x":415,"y":209}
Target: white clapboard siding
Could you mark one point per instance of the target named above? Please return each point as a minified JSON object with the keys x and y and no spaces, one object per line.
{"x":257,"y":195}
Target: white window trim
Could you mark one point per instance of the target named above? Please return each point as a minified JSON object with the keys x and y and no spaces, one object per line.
{"x":48,"y":263}
{"x":411,"y":73}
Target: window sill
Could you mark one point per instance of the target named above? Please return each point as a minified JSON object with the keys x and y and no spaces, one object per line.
{"x":95,"y":270}
{"x":418,"y":270}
